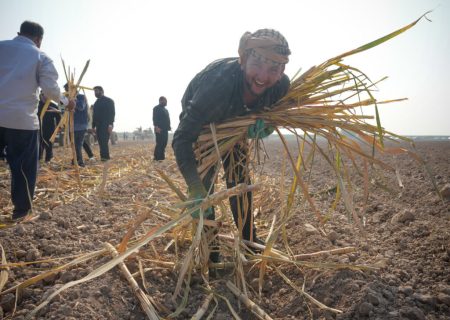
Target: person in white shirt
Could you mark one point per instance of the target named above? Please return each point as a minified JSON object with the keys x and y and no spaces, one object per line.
{"x":23,"y":69}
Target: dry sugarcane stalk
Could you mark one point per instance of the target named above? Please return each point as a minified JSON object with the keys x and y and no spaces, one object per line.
{"x":273,"y":252}
{"x":225,"y":194}
{"x":59,"y":127}
{"x":4,"y":271}
{"x":325,"y":252}
{"x":101,"y":188}
{"x":179,"y":193}
{"x":188,"y":261}
{"x":67,"y":118}
{"x":305,"y":294}
{"x":72,"y":146}
{"x":260,"y":313}
{"x":138,"y":221}
{"x":203,"y":308}
{"x":159,"y":306}
{"x":39,"y":277}
{"x":143,"y":299}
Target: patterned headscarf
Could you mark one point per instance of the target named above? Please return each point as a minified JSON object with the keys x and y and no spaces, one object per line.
{"x":266,"y":42}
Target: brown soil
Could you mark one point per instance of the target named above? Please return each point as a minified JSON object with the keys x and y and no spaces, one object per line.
{"x":406,"y":240}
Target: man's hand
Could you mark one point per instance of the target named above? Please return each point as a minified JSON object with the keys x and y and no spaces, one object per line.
{"x":157,"y":129}
{"x":71,"y":105}
{"x":110,"y":128}
{"x":196,"y":214}
{"x":196,"y":196}
{"x":259,"y":130}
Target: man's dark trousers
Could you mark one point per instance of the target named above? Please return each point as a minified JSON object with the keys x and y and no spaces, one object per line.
{"x":45,"y":144}
{"x":241,"y":206}
{"x":103,"y":139}
{"x":22,"y":156}
{"x":87,"y":147}
{"x":161,"y":144}
{"x":79,"y":138}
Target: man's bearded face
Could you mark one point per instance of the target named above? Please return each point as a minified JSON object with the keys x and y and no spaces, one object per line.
{"x":261,"y":73}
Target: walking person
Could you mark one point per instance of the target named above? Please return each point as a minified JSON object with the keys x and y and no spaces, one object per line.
{"x":103,"y":121}
{"x":23,"y":69}
{"x":161,"y":124}
{"x":225,"y":89}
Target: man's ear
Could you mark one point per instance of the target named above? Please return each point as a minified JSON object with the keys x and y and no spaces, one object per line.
{"x":37,"y":41}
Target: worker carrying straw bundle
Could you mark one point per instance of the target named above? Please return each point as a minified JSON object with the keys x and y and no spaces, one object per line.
{"x":225,"y":89}
{"x":234,"y":102}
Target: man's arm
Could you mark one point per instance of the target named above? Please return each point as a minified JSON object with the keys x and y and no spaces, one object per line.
{"x":168,"y":121}
{"x":157,"y":119}
{"x":94,"y":117}
{"x":48,"y":79}
{"x":187,"y":133}
{"x":201,"y":106}
{"x":111,"y":115}
{"x":111,"y":112}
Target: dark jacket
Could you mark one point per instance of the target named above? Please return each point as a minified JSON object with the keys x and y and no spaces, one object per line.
{"x":50,"y":119}
{"x":214,"y":95}
{"x":104,"y":112}
{"x":161,"y":118}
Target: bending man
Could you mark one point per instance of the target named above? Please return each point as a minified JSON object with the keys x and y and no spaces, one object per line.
{"x":225,"y":89}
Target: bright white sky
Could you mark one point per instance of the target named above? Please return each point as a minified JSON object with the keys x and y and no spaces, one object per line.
{"x":141,"y":49}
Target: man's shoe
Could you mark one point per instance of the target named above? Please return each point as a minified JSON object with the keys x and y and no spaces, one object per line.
{"x":21,"y":217}
{"x":258,"y":241}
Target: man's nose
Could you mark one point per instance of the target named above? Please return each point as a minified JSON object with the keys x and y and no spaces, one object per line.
{"x":263,"y":74}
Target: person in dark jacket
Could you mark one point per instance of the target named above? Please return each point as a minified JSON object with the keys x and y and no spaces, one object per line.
{"x":225,"y":89}
{"x":48,"y":125}
{"x":161,"y":124}
{"x":103,"y":121}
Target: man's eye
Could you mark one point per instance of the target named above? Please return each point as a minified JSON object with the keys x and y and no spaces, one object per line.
{"x":274,"y":70}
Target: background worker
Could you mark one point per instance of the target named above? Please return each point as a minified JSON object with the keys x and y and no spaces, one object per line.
{"x":23,"y":69}
{"x":161,"y":124}
{"x":80,"y":124}
{"x":103,"y":121}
